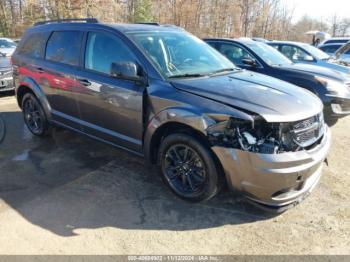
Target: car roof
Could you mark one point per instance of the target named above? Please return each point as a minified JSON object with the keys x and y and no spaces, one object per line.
{"x":331,"y":44}
{"x":287,"y":42}
{"x":338,"y":38}
{"x":5,"y":38}
{"x":238,"y":40}
{"x":119,"y":27}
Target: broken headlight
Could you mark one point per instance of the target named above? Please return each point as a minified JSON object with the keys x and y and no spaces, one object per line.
{"x":258,"y":136}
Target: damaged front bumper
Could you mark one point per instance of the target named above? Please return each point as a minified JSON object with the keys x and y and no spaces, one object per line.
{"x":276,"y":181}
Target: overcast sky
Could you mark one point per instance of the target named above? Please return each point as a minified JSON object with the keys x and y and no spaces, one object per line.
{"x":320,"y":8}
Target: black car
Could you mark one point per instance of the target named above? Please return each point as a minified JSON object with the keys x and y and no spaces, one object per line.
{"x":162,"y":93}
{"x":332,"y":87}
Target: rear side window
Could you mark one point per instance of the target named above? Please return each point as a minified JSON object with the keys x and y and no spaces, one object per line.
{"x":33,"y":45}
{"x":64,"y":47}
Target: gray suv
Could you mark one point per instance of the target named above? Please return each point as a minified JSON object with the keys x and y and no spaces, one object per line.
{"x":163,"y":94}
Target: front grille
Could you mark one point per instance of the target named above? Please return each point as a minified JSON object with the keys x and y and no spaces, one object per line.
{"x":308,"y":131}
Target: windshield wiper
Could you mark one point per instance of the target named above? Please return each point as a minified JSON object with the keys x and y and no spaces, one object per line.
{"x":224,"y":70}
{"x":186,"y":75}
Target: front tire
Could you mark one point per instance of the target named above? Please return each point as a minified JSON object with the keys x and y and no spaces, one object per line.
{"x":34,"y":116}
{"x":188,"y":168}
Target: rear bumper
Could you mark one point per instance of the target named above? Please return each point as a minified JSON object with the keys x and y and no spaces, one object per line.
{"x":274,"y":180}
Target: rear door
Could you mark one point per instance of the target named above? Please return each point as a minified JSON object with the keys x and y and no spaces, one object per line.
{"x":111,"y":108}
{"x":62,"y":58}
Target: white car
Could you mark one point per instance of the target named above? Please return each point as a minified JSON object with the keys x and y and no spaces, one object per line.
{"x":335,"y":40}
{"x":7,"y":46}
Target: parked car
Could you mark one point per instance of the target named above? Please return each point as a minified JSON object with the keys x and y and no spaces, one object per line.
{"x":162,"y":93}
{"x":332,"y":87}
{"x":7,"y":46}
{"x":304,"y":53}
{"x":6,"y":78}
{"x":342,"y":55}
{"x":331,"y":50}
{"x":335,"y":40}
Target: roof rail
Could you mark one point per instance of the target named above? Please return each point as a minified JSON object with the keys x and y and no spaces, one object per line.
{"x":87,"y":20}
{"x":148,"y":23}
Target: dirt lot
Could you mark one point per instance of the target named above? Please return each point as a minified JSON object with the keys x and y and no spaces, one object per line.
{"x":71,"y":195}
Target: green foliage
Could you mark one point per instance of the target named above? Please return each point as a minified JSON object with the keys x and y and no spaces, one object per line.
{"x":142,"y":11}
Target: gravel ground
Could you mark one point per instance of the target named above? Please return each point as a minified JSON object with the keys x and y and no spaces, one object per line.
{"x":68,"y":194}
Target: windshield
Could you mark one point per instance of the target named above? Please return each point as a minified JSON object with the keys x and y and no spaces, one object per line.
{"x":315,"y":52}
{"x":269,"y":54}
{"x":7,"y":43}
{"x":177,"y":54}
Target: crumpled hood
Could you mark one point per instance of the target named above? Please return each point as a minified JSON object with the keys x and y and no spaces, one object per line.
{"x":273,"y":99}
{"x":317,"y":70}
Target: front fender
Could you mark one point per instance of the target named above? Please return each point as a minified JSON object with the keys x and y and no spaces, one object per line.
{"x":28,"y":82}
{"x":198,"y":122}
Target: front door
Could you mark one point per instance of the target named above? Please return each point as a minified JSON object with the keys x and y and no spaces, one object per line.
{"x":110,"y":108}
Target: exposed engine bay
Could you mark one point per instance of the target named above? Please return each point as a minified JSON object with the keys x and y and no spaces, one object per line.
{"x":267,"y":138}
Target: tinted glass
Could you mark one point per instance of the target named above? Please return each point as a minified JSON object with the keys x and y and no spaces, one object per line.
{"x":293,"y":53}
{"x":64,"y":47}
{"x":315,"y":52}
{"x":234,"y":53}
{"x":330,"y":49}
{"x":267,"y":53}
{"x":33,"y":45}
{"x":103,"y":49}
{"x":176,"y":53}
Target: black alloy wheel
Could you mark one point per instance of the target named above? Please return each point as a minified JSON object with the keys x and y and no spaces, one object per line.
{"x":34,"y":116}
{"x":188,"y":167}
{"x":184,"y":169}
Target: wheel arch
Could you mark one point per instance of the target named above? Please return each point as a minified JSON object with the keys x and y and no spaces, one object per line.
{"x":28,"y":85}
{"x":171,"y":121}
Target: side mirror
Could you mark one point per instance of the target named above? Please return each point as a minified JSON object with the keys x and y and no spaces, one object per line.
{"x":249,"y":62}
{"x":125,"y":70}
{"x":308,"y":58}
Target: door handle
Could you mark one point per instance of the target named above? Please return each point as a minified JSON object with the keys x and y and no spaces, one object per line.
{"x":40,"y":70}
{"x":84,"y":82}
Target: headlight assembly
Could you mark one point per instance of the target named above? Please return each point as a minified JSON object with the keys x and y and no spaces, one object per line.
{"x":333,"y":87}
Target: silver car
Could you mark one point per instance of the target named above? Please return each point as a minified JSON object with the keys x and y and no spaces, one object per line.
{"x":304,"y":53}
{"x":7,"y":46}
{"x":6,"y":77}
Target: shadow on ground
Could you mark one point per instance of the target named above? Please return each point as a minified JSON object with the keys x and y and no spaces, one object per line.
{"x":67,"y":182}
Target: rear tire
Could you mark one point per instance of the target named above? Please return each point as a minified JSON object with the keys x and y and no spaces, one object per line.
{"x":34,"y":116}
{"x":188,"y":168}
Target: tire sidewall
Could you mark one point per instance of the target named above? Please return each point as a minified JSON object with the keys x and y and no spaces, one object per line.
{"x":211,"y":186}
{"x":45,"y":127}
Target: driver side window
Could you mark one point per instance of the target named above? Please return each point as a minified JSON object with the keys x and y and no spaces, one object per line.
{"x":293,"y":53}
{"x":102,"y":50}
{"x":234,"y":53}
